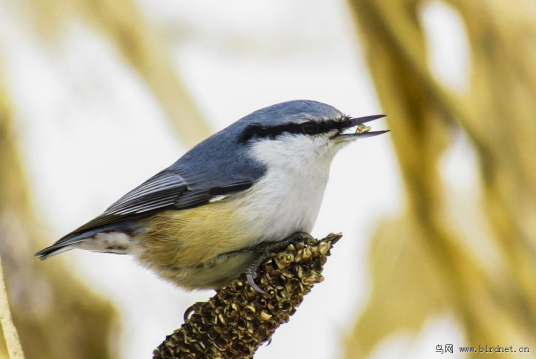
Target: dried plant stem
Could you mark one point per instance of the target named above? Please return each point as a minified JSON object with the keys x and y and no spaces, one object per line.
{"x":237,"y":320}
{"x":10,"y":332}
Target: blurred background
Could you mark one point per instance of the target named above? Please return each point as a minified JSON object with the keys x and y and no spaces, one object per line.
{"x":438,"y":216}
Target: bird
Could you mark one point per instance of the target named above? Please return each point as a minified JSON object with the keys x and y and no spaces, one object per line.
{"x":222,"y":207}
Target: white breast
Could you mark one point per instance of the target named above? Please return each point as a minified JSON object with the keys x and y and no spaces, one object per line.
{"x":288,"y":198}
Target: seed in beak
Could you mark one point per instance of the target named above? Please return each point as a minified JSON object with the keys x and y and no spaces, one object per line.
{"x":361,"y":128}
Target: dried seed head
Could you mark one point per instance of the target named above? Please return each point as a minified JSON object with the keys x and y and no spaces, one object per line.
{"x":265,"y":316}
{"x":237,"y":320}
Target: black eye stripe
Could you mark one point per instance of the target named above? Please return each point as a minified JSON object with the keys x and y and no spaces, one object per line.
{"x":309,"y":128}
{"x":256,"y":130}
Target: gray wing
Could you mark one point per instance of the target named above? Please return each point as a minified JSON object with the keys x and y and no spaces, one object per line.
{"x":166,"y":190}
{"x":157,"y":193}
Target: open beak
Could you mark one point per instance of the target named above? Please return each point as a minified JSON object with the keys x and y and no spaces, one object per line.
{"x":362,"y":130}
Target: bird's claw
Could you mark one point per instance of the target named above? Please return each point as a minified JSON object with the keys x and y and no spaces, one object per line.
{"x":191,"y":309}
{"x":254,"y":285}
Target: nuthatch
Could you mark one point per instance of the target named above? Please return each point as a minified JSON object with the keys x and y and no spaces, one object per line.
{"x":218,"y":210}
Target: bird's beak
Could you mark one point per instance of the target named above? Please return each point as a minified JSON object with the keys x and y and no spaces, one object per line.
{"x":362,"y":131}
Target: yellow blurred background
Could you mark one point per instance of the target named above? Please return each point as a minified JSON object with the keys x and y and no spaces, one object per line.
{"x":438,"y":216}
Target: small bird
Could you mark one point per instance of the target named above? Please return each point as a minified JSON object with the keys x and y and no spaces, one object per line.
{"x":216,"y":212}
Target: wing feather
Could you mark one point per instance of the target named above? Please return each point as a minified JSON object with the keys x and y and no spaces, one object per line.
{"x":158,"y":191}
{"x":166,"y":190}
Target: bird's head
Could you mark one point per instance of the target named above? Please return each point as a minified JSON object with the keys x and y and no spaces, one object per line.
{"x":300,"y":132}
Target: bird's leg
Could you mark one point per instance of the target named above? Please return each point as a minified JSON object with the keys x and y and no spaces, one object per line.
{"x":267,"y":248}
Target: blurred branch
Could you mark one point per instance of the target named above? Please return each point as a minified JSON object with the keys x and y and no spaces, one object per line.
{"x":502,"y":128}
{"x":123,"y":24}
{"x":56,"y":315}
{"x":237,"y":320}
{"x":421,"y":115}
{"x":11,"y":337}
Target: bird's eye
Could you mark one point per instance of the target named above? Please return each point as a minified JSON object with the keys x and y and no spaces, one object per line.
{"x":310,"y":128}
